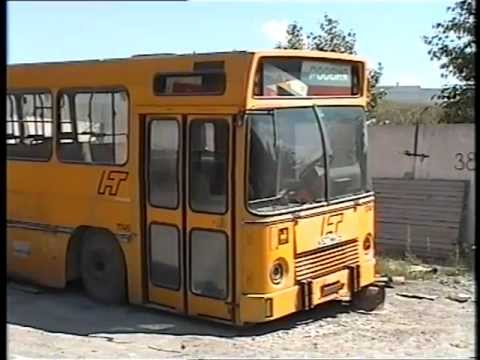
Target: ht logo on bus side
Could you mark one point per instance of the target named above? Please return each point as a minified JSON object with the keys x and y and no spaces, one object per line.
{"x":110,"y":182}
{"x":329,"y":231}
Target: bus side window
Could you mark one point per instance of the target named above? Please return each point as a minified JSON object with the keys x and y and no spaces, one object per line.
{"x":13,"y":126}
{"x":29,"y":126}
{"x":93,"y":127}
{"x":163,"y":163}
{"x":208,"y":165}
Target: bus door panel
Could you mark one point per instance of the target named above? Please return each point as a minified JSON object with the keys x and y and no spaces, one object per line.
{"x":208,"y":216}
{"x":165,"y":238}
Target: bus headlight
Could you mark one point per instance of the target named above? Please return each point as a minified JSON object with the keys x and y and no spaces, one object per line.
{"x":367,"y":242}
{"x":277,"y":272}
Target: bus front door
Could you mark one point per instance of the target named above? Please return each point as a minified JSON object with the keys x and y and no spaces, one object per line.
{"x":208,"y":220}
{"x":188,"y":214}
{"x":165,"y":240}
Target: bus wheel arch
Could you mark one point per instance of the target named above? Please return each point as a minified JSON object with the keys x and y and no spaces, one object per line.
{"x":74,"y":250}
{"x":97,"y":258}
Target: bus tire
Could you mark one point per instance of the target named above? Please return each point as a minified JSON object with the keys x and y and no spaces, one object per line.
{"x":369,"y":298}
{"x":103,"y":268}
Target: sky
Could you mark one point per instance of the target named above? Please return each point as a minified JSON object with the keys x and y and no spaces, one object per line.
{"x":388,"y":31}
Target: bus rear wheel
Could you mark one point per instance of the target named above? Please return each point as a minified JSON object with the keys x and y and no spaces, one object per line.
{"x":369,"y":298}
{"x":103,"y":268}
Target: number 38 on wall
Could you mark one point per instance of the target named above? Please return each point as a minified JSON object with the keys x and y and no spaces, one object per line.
{"x":465,"y":161}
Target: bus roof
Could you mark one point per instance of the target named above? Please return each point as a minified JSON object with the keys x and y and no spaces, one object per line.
{"x":137,"y":74}
{"x":275,"y":52}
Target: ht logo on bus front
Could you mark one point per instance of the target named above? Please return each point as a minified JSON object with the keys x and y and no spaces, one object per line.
{"x":329,"y":231}
{"x":110,"y":182}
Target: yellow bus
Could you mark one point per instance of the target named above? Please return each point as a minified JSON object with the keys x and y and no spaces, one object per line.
{"x":231,"y":186}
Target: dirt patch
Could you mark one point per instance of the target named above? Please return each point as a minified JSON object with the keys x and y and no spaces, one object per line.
{"x":65,"y":324}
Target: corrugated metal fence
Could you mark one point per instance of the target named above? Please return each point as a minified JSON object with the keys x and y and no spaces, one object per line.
{"x":422,"y":217}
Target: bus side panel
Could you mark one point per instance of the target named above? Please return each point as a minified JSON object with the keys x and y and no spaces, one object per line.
{"x":101,"y":197}
{"x":34,"y":251}
{"x":366,"y":214}
{"x":53,"y":200}
{"x":37,"y":256}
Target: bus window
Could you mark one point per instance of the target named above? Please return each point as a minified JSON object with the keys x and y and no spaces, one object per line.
{"x":208,"y":165}
{"x":13,"y":126}
{"x":164,"y":256}
{"x":209,"y":83}
{"x":29,"y":126}
{"x":66,"y":125}
{"x":209,"y":265}
{"x":287,"y":163}
{"x":163,"y":163}
{"x":263,"y":158}
{"x":95,"y":132}
{"x":345,"y":132}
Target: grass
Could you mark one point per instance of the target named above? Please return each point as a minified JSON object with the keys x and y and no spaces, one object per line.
{"x":401,"y":266}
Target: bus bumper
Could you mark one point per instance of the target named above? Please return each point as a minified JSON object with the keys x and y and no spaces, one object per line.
{"x":257,"y":308}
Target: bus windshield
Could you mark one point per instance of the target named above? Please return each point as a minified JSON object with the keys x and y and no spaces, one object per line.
{"x":293,"y":149}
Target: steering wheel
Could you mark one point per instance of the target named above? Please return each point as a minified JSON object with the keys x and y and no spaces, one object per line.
{"x":311,"y":165}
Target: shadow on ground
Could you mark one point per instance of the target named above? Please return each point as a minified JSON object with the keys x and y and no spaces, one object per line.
{"x":69,"y":311}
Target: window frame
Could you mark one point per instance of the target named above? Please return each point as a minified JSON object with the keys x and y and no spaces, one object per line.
{"x":101,"y":89}
{"x":214,"y":118}
{"x":179,"y":161}
{"x":35,"y":91}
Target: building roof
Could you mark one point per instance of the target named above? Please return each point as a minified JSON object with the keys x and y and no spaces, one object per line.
{"x":410,"y":94}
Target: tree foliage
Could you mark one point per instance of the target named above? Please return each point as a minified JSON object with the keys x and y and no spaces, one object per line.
{"x":295,"y":39}
{"x":453,"y":45}
{"x":331,"y":37}
{"x":375,"y":94}
{"x":395,"y":113}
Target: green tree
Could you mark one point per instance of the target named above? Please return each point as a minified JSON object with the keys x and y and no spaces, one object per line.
{"x":331,"y":37}
{"x":453,"y":45}
{"x":295,"y":39}
{"x":375,"y":94}
{"x":395,"y":113}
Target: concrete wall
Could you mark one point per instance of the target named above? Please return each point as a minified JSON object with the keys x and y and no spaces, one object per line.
{"x":451,"y":156}
{"x":386,"y":147}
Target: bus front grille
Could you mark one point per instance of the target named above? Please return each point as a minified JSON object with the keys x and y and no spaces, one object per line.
{"x":325,"y":260}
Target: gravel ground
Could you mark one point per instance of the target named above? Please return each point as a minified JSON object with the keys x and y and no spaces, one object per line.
{"x":66,"y":324}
